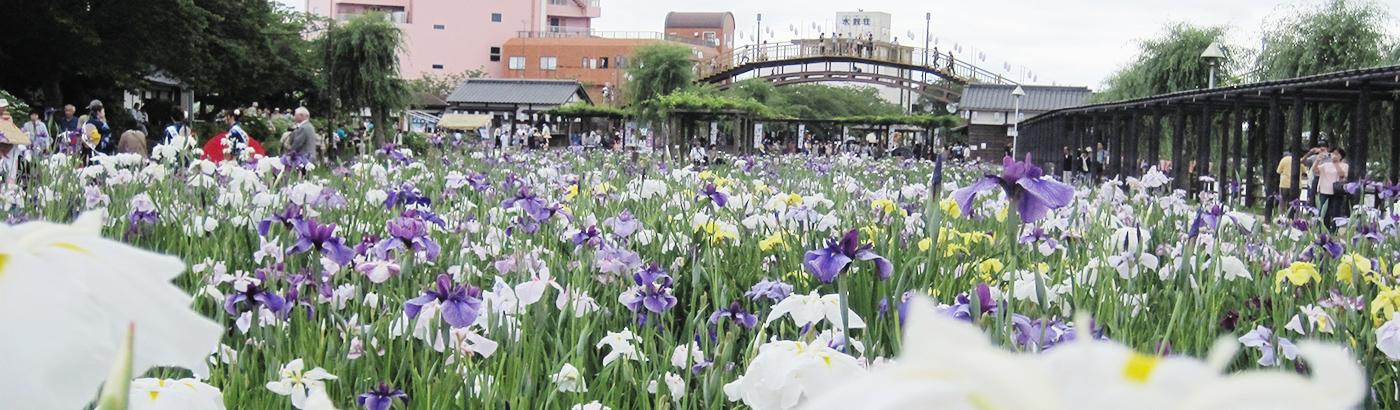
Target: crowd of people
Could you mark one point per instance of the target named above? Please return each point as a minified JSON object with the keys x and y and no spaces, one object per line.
{"x":91,"y":135}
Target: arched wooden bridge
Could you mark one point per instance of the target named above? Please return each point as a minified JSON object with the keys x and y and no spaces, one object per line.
{"x":916,"y":69}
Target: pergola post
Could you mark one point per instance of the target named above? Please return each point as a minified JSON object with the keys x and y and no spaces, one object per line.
{"x":1221,"y":180}
{"x":1295,"y":134}
{"x":1361,"y":137}
{"x":1274,"y":149}
{"x":1252,"y":152}
{"x":1154,"y":139}
{"x":1203,"y":143}
{"x":1236,"y":136}
{"x":1179,"y":166}
{"x":1394,"y":161}
{"x":1130,"y":148}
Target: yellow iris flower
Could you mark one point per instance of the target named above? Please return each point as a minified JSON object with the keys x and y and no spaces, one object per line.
{"x":1299,"y":273}
{"x":951,"y":208}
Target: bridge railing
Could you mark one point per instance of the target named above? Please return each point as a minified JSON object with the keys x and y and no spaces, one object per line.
{"x":945,"y":64}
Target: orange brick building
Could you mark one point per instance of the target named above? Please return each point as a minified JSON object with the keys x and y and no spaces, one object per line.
{"x":599,"y":60}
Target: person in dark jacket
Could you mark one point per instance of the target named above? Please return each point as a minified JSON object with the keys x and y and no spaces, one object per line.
{"x":97,"y":118}
{"x":1067,"y":165}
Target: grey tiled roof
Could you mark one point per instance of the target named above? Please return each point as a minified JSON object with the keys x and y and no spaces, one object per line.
{"x":516,"y":91}
{"x":997,"y":97}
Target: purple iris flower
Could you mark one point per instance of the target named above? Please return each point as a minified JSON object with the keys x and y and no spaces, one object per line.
{"x":253,"y":298}
{"x":479,"y":181}
{"x":736,"y":313}
{"x":590,"y":237}
{"x":381,"y":397}
{"x":313,"y":235}
{"x":406,"y":195}
{"x":407,"y":232}
{"x":1033,"y":195}
{"x":460,"y":304}
{"x":1336,"y":299}
{"x":287,"y":218}
{"x":530,"y":203}
{"x":1042,"y":332}
{"x":526,"y":224}
{"x":617,"y":260}
{"x":1370,"y":231}
{"x":826,"y":263}
{"x":775,"y":290}
{"x":624,"y":224}
{"x":330,"y":198}
{"x":1327,"y":243}
{"x":653,"y":291}
{"x":712,"y":192}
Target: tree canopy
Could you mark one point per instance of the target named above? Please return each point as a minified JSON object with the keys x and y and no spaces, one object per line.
{"x":70,"y":51}
{"x":659,"y":69}
{"x":817,"y":101}
{"x":1334,"y":36}
{"x":1172,"y":62}
{"x":363,"y":66}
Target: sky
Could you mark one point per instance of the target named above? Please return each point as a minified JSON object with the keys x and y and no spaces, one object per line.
{"x":1061,"y":42}
{"x":1064,"y":42}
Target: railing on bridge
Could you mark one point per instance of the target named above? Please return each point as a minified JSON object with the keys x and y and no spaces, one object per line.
{"x":948,"y":67}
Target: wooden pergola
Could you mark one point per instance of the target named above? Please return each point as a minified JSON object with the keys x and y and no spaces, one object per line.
{"x":1237,"y":134}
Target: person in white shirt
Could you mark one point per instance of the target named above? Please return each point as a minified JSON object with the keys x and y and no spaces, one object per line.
{"x":38,"y":132}
{"x":697,"y":154}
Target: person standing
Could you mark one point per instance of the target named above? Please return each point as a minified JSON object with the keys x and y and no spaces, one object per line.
{"x":97,"y":125}
{"x":1101,"y":160}
{"x":138,"y":114}
{"x":1318,"y":155}
{"x":12,"y":143}
{"x":177,"y":133}
{"x":1067,"y":166}
{"x":38,"y":132}
{"x":1331,"y":176}
{"x":69,"y":123}
{"x":1285,"y":184}
{"x":236,"y":141}
{"x":303,"y":140}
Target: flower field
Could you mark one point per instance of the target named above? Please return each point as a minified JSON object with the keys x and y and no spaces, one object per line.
{"x":583,"y":280}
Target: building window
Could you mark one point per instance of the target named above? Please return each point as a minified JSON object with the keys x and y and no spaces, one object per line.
{"x":621,"y":62}
{"x":316,"y":10}
{"x":495,"y":54}
{"x":439,"y":27}
{"x":495,"y":17}
{"x":517,"y":63}
{"x":867,"y":21}
{"x":711,"y":39}
{"x":549,"y":63}
{"x":437,"y":66}
{"x":602,"y":62}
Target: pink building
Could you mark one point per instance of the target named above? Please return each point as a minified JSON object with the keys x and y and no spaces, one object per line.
{"x":451,"y":36}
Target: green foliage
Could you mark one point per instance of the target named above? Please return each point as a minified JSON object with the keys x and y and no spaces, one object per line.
{"x":363,"y":64}
{"x":18,"y":109}
{"x":816,"y":101}
{"x":1172,"y":62}
{"x":1336,"y":36}
{"x":694,"y":101}
{"x":442,"y":85}
{"x":658,"y":70}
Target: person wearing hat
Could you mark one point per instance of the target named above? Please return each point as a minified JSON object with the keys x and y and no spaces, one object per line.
{"x":12,"y":142}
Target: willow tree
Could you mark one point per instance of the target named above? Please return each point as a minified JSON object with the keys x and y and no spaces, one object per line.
{"x":1172,"y":62}
{"x":363,"y":67}
{"x":657,"y":70}
{"x":1336,"y":36}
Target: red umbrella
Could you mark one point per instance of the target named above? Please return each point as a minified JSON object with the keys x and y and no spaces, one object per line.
{"x":214,"y":149}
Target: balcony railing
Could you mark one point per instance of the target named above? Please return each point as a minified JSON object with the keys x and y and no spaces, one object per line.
{"x":587,"y":3}
{"x":575,"y":32}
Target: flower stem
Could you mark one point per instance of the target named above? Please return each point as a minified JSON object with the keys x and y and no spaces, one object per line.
{"x":845,"y":312}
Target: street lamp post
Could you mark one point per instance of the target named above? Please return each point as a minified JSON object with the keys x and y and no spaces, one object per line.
{"x":1016,"y":126}
{"x":1213,"y":55}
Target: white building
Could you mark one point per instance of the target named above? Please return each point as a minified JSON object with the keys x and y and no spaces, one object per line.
{"x":860,"y":24}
